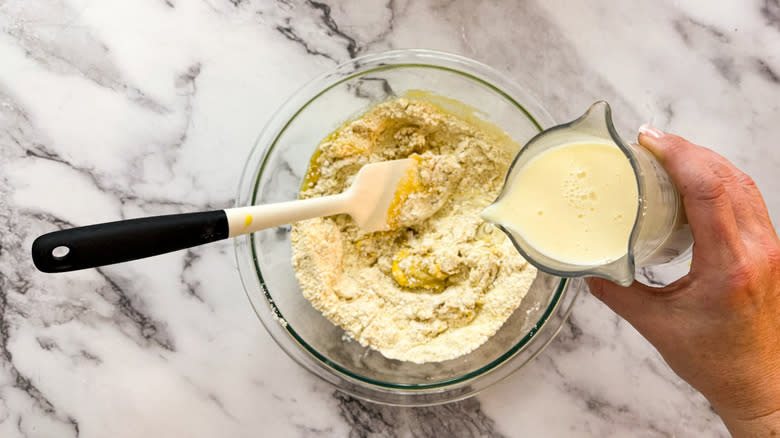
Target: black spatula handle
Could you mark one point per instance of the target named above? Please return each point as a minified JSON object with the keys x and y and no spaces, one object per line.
{"x":115,"y":242}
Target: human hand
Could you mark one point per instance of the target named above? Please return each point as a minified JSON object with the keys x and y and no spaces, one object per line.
{"x":719,"y":326}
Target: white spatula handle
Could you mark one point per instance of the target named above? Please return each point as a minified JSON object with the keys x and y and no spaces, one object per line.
{"x":244,"y":220}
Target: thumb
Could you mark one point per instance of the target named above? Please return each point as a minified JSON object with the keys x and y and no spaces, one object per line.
{"x":650,"y":310}
{"x":634,"y":303}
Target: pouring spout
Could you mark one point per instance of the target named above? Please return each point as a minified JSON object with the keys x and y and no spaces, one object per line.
{"x":490,"y":213}
{"x":597,"y":122}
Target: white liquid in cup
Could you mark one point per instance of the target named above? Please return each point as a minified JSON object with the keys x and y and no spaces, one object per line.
{"x":576,"y":203}
{"x":579,"y":201}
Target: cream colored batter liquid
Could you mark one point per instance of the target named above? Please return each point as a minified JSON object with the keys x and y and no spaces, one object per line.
{"x":575,"y":203}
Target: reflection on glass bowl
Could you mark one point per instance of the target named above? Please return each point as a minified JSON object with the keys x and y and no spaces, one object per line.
{"x":273,"y":173}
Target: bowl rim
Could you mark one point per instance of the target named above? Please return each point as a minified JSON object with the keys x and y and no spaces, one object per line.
{"x":287,"y":113}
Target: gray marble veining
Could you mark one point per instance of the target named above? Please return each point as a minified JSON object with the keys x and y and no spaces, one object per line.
{"x":114,"y":110}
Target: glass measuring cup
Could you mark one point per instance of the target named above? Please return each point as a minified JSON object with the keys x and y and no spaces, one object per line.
{"x":660,"y":232}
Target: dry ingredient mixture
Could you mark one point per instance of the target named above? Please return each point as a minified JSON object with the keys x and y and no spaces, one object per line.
{"x":441,"y":281}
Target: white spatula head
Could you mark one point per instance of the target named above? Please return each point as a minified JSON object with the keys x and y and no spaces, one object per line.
{"x":374,"y":190}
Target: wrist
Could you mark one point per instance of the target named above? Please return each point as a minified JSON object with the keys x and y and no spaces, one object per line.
{"x":748,"y":387}
{"x":767,"y":425}
{"x":752,"y":410}
{"x":747,"y":402}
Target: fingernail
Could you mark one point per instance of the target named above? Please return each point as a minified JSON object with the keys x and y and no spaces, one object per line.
{"x":647,"y":137}
{"x":651,"y":131}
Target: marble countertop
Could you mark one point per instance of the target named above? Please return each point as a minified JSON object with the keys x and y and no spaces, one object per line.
{"x":113,"y":110}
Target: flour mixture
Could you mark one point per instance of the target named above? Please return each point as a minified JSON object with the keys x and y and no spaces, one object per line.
{"x":441,"y":281}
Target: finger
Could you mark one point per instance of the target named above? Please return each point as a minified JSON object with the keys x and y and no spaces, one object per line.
{"x":625,"y":301}
{"x":742,"y":202}
{"x":751,"y":200}
{"x":748,"y":205}
{"x":642,"y":306}
{"x":756,"y":200}
{"x":706,"y":200}
{"x":631,"y":303}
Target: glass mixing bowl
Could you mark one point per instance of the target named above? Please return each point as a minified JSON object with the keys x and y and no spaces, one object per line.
{"x":274,"y":172}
